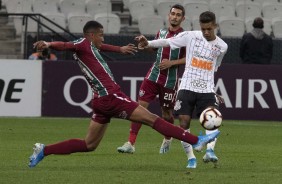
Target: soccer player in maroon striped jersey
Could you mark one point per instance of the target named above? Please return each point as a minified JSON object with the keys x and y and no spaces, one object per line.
{"x":108,"y":102}
{"x":161,"y":79}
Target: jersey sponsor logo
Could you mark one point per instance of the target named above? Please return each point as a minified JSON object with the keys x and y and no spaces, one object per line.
{"x":177,"y":105}
{"x":202,"y":64}
{"x":199,"y":84}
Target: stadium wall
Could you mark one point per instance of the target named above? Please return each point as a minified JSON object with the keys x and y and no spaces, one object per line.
{"x":251,"y":92}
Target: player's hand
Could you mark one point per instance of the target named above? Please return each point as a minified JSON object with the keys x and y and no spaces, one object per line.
{"x":129,"y":49}
{"x":142,"y":41}
{"x":41,"y":45}
{"x":219,"y":99}
{"x":165,"y":64}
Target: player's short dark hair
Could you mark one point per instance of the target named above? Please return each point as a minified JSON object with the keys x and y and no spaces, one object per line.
{"x":91,"y":25}
{"x":180,"y":7}
{"x":207,"y":17}
{"x":258,"y":23}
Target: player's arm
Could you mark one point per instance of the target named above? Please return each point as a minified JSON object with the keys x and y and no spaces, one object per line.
{"x":127,"y":49}
{"x":144,"y":43}
{"x":165,"y":64}
{"x":40,"y":45}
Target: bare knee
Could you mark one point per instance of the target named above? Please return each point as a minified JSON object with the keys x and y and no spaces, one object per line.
{"x":91,"y":147}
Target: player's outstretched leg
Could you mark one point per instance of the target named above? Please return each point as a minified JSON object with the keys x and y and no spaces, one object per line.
{"x":203,"y":140}
{"x":126,"y":148}
{"x":165,"y":145}
{"x":37,"y":156}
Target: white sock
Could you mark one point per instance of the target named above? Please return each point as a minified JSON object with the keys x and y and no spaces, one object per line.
{"x":211,"y":145}
{"x":188,"y":148}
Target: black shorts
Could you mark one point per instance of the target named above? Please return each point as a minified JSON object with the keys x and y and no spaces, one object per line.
{"x":187,"y":101}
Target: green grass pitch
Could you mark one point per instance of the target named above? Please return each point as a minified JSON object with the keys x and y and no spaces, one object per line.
{"x":249,"y":152}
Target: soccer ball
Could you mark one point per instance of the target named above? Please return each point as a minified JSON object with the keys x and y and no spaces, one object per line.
{"x":210,"y":118}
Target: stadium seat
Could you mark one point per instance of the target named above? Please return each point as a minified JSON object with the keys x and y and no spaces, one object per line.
{"x":261,"y":1}
{"x":19,"y":6}
{"x":139,"y":8}
{"x":98,"y":6}
{"x":249,"y":25}
{"x":58,"y":18}
{"x":196,"y":24}
{"x":194,"y":8}
{"x":277,"y":27}
{"x":150,"y":24}
{"x":248,"y":9}
{"x":110,"y":22}
{"x":271,"y":10}
{"x":231,"y":27}
{"x":231,"y":2}
{"x":41,"y":6}
{"x":72,"y":6}
{"x":222,"y":10}
{"x":77,"y":21}
{"x":163,"y":6}
{"x":186,"y":25}
{"x":125,"y":4}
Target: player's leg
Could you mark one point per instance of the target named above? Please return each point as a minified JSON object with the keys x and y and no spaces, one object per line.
{"x":167,"y":101}
{"x":142,"y":115}
{"x":185,"y":103}
{"x":208,"y":100}
{"x":147,"y":93}
{"x":167,"y":114}
{"x":188,"y":149}
{"x":128,"y":147}
{"x":90,"y":143}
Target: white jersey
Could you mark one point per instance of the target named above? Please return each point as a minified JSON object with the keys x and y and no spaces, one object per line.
{"x":202,"y":60}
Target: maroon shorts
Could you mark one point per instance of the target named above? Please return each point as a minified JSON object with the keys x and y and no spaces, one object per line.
{"x":149,"y":90}
{"x":116,"y":105}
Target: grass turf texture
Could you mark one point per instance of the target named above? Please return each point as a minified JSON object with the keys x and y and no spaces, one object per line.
{"x":249,"y":152}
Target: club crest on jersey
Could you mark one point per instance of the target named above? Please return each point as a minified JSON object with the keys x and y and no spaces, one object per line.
{"x":141,"y":92}
{"x":177,"y":105}
{"x":215,"y":53}
{"x":122,"y":115}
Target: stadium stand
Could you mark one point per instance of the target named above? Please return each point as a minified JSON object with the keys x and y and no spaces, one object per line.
{"x":72,"y":6}
{"x":110,"y":22}
{"x":77,"y":21}
{"x":163,"y":6}
{"x":271,"y":10}
{"x":277,"y":27}
{"x":150,"y":24}
{"x":187,"y":25}
{"x":222,"y":9}
{"x":193,"y":8}
{"x":139,"y":8}
{"x":245,"y":9}
{"x":98,"y":6}
{"x":129,"y":20}
{"x":231,"y":27}
{"x":58,"y":18}
{"x":42,"y":6}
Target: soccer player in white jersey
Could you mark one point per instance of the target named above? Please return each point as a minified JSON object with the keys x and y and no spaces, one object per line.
{"x":204,"y":53}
